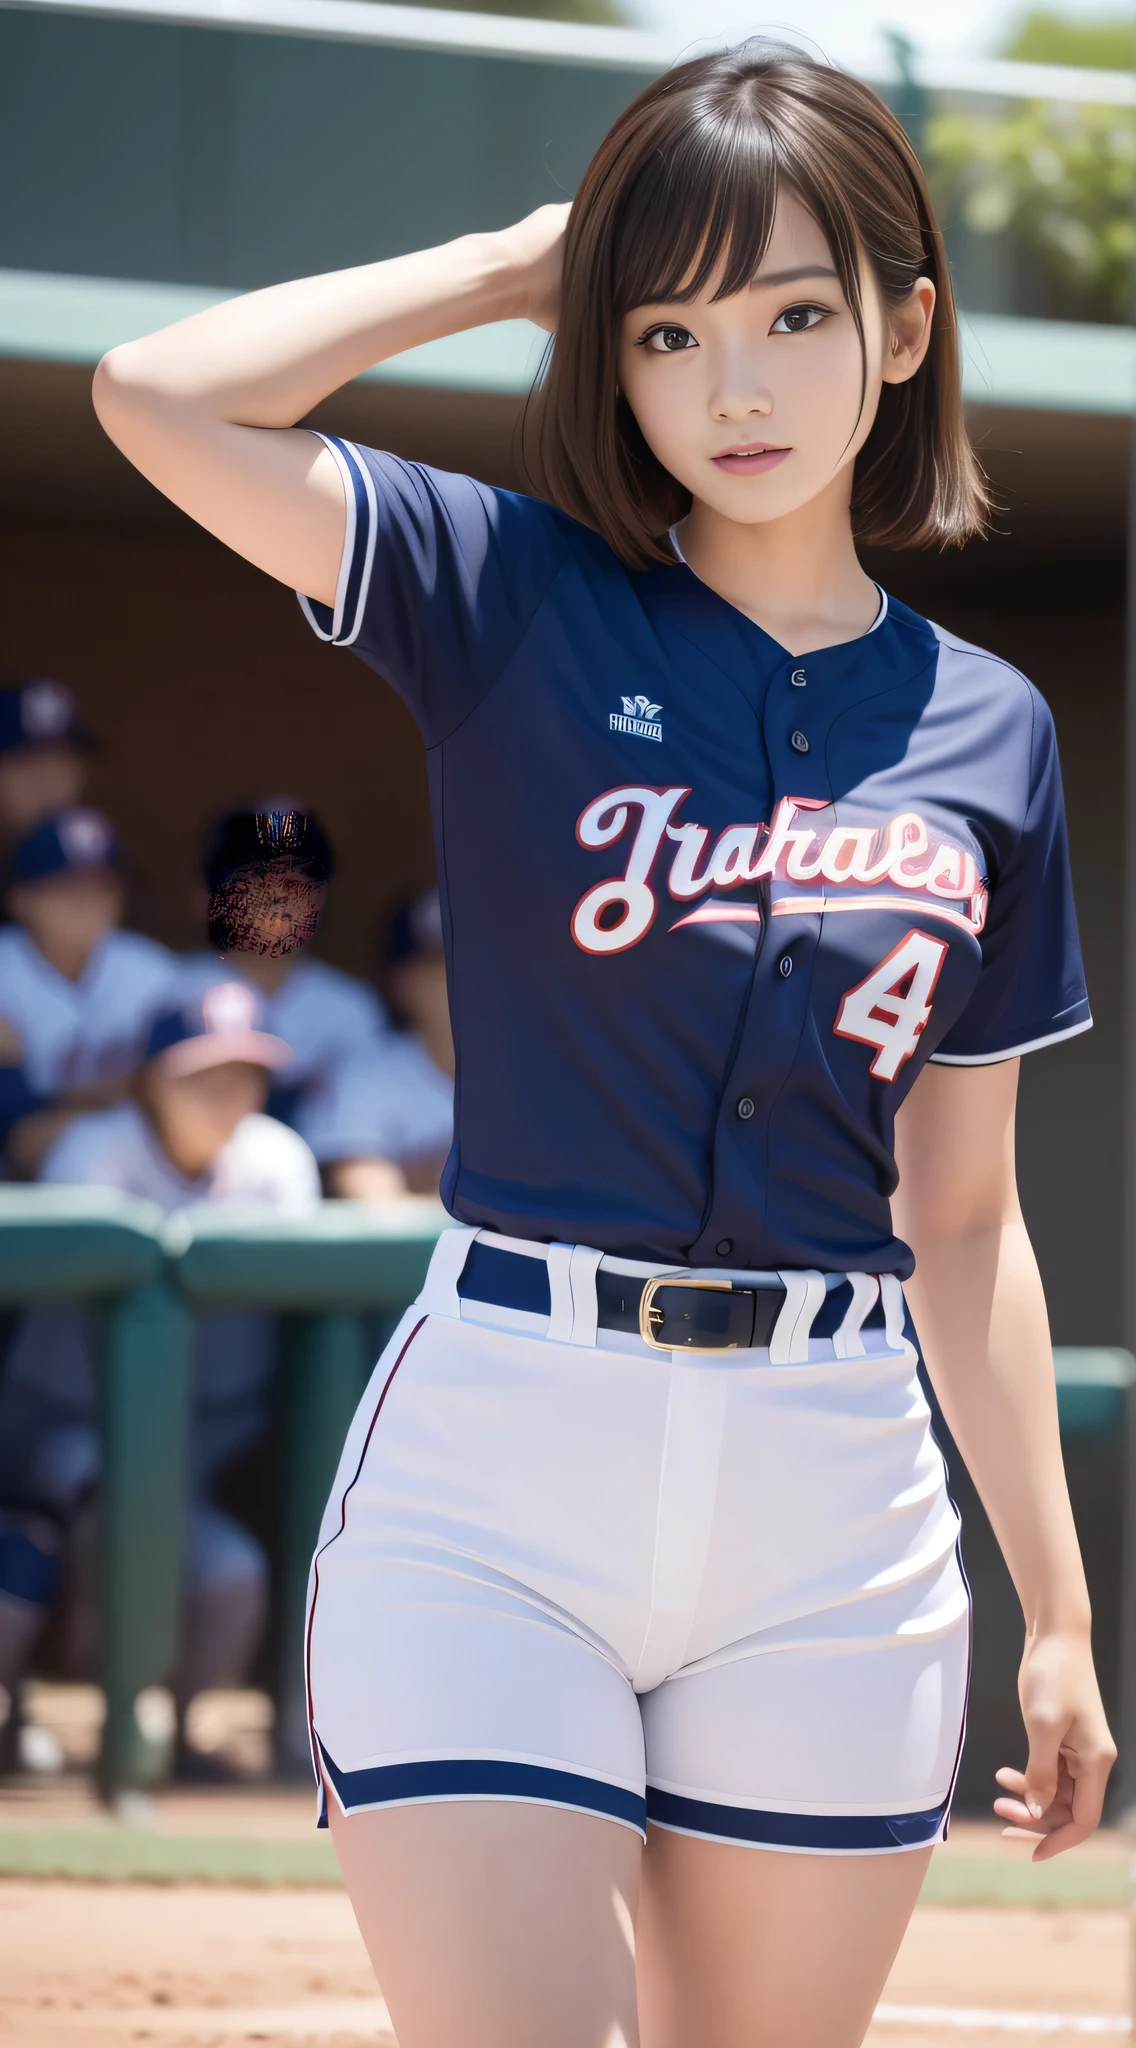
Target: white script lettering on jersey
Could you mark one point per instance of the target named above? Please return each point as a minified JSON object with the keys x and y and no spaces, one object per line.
{"x":861,"y":867}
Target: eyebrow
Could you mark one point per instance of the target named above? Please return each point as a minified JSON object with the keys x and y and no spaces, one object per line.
{"x":792,"y":276}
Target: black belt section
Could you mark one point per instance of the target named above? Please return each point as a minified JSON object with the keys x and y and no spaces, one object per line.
{"x":725,"y":1317}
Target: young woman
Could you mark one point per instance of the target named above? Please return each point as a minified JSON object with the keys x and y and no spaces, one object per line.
{"x":641,"y":1520}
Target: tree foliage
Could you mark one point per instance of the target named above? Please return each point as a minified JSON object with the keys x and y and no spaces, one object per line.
{"x":1058,"y":175}
{"x":608,"y":12}
{"x":1043,"y":37}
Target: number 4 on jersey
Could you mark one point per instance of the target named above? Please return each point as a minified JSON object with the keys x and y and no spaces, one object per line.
{"x":892,"y":1005}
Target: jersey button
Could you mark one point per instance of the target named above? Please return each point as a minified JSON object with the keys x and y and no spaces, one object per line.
{"x":798,"y":679}
{"x":785,"y":966}
{"x":746,"y":1108}
{"x":799,"y":741}
{"x":725,"y":1247}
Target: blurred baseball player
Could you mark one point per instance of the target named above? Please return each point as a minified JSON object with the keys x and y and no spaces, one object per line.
{"x":381,"y":1121}
{"x":324,"y":1015}
{"x":78,"y":993}
{"x":44,"y":754}
{"x":192,"y":1132}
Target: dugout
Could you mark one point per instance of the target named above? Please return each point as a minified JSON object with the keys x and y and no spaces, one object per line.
{"x":156,"y":154}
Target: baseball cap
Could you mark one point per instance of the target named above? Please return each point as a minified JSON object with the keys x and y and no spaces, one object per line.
{"x":39,"y":713}
{"x":72,"y":840}
{"x":278,"y":829}
{"x":223,"y":1026}
{"x":415,"y":929}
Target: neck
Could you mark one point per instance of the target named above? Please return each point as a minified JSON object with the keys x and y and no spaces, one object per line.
{"x":798,"y":577}
{"x":69,"y":961}
{"x":261,"y":969}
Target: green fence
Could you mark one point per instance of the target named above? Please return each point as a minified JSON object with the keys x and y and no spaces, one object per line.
{"x":324,"y":1273}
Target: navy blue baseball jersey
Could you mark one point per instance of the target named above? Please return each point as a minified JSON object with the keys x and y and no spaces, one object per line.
{"x":708,"y":906}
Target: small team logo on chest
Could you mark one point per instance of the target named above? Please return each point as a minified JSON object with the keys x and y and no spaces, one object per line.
{"x":639,"y":717}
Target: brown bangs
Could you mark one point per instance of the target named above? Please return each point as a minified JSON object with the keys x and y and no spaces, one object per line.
{"x":682,"y":192}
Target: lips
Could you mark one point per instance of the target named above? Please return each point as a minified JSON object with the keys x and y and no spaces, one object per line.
{"x":750,"y":461}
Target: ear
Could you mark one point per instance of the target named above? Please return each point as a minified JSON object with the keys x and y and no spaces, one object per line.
{"x":910,"y":325}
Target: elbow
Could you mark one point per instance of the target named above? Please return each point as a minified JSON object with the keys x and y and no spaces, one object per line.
{"x":125,"y":393}
{"x":117,"y":391}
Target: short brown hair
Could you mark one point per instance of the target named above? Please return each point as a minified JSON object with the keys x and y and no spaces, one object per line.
{"x":683,"y":189}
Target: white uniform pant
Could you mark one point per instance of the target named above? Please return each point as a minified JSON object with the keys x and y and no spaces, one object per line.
{"x":718,"y":1592}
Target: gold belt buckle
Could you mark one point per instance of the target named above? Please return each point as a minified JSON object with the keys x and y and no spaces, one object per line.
{"x":646,"y":1311}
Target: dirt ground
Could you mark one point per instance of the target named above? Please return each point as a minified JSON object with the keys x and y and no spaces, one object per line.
{"x":103,"y":1966}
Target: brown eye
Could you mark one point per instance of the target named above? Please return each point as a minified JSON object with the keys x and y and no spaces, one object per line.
{"x":798,"y":319}
{"x":669,"y":340}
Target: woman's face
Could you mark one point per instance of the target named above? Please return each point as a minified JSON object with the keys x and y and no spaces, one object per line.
{"x":752,"y":401}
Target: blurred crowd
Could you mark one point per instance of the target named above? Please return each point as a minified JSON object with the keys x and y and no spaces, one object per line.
{"x":238,"y":1073}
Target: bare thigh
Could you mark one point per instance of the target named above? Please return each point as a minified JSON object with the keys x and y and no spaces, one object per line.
{"x":497,"y":1925}
{"x":752,"y":1948}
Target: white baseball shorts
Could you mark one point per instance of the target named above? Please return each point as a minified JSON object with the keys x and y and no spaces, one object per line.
{"x":717,"y":1592}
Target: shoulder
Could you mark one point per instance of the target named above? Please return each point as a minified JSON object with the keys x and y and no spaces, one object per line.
{"x":18,"y":957}
{"x":95,"y":1148}
{"x":967,"y":674}
{"x":315,"y":981}
{"x":994,"y":708}
{"x":133,"y":953}
{"x":193,"y":974}
{"x":493,"y":549}
{"x":459,"y":496}
{"x":398,"y":1064}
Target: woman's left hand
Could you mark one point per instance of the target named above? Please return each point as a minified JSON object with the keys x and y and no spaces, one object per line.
{"x":1059,"y":1796}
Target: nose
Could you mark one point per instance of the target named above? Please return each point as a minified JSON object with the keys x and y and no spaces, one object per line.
{"x":740,"y":392}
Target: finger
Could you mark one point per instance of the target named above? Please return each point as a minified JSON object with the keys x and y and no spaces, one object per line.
{"x":1021,"y":1835}
{"x":1011,"y":1780}
{"x":1045,"y":1737}
{"x":1019,"y":1816}
{"x":1061,"y":1839}
{"x":1017,"y":1812}
{"x":1089,"y":1787}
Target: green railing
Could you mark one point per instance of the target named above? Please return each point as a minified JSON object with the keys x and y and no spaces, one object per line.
{"x":324,"y":1274}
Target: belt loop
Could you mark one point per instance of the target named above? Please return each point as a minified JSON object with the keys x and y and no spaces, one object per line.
{"x":582,"y":1269}
{"x":895,"y":1311}
{"x":847,"y":1341}
{"x":439,"y":1296}
{"x":804,"y":1293}
{"x":560,"y":1293}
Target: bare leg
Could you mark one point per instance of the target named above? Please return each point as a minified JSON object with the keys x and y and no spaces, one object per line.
{"x":751,"y":1948}
{"x":497,"y":1924}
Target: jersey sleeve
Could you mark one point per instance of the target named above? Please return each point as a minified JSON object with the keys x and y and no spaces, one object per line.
{"x":1031,"y":989}
{"x":439,"y":579}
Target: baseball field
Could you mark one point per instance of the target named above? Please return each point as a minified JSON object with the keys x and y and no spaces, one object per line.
{"x":216,"y":1917}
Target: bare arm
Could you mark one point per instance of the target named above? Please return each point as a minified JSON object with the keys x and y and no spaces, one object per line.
{"x":207,"y":409}
{"x":977,"y":1301}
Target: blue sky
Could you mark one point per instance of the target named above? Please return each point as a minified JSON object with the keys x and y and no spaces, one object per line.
{"x":849,"y":31}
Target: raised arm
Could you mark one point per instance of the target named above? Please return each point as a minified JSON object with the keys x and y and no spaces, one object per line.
{"x":979,"y":1309}
{"x":207,"y":409}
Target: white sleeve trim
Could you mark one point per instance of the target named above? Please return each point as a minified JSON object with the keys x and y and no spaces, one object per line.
{"x":357,"y":560}
{"x":1012,"y":1052}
